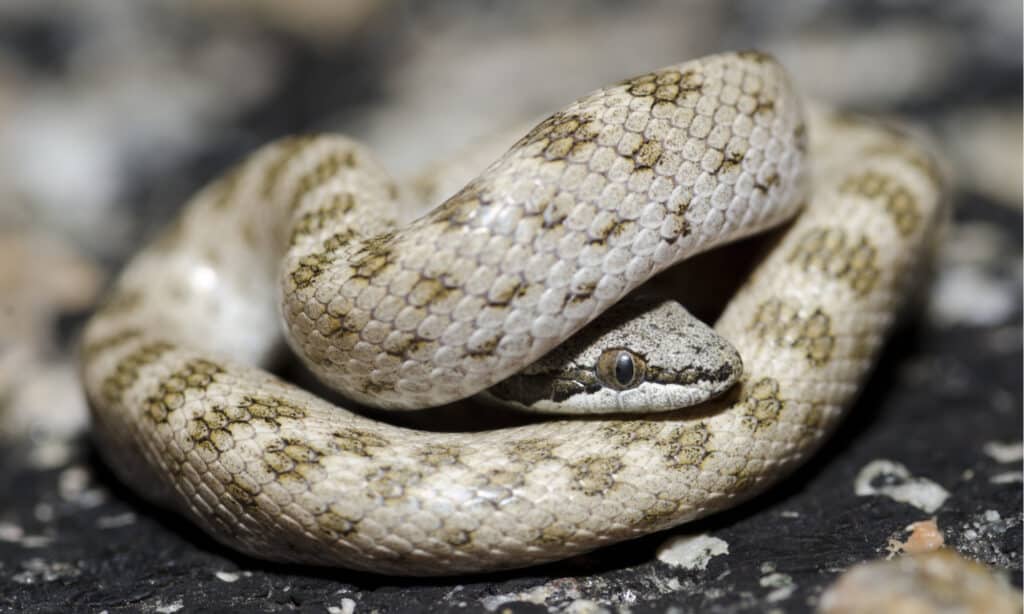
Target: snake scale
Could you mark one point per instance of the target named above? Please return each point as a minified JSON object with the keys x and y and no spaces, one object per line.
{"x":587,"y":206}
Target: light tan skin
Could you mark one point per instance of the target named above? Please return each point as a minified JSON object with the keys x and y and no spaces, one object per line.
{"x":183,"y":417}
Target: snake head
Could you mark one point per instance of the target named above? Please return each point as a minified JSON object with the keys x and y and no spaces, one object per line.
{"x":641,"y":356}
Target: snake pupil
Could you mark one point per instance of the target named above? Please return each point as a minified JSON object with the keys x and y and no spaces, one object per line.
{"x":624,"y":368}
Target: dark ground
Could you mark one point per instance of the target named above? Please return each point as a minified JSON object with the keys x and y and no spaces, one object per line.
{"x":73,"y":539}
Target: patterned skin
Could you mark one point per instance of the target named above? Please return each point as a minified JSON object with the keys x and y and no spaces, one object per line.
{"x":587,"y":206}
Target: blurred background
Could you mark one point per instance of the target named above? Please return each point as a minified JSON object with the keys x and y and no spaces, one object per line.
{"x":113,"y":113}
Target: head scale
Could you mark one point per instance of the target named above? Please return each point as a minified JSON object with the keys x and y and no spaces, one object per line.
{"x":640,"y":356}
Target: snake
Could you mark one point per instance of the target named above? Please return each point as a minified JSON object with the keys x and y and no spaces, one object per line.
{"x":305,"y":240}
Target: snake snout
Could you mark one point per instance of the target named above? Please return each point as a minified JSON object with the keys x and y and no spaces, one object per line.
{"x":687,"y":363}
{"x":644,"y":355}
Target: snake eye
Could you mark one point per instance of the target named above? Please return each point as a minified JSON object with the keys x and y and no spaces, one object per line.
{"x":624,"y":368}
{"x":620,"y":369}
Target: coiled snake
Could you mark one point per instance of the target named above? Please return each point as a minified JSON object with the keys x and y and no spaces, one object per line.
{"x":591,"y":203}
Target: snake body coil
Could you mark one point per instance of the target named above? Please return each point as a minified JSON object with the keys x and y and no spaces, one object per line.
{"x":591,"y":203}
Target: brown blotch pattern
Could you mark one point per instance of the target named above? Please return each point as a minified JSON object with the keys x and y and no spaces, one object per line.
{"x":662,"y":514}
{"x":170,"y":393}
{"x":730,"y":161}
{"x":293,"y":463}
{"x":437,"y":455}
{"x":561,"y":132}
{"x":556,"y":533}
{"x":357,"y":441}
{"x":457,"y":210}
{"x":647,"y":154}
{"x":506,"y":478}
{"x":899,"y":202}
{"x":788,"y":326}
{"x":915,"y":157}
{"x":770,"y":182}
{"x":127,"y":371}
{"x":269,"y":410}
{"x":336,"y":522}
{"x":762,"y":404}
{"x":336,"y":206}
{"x":529,"y":451}
{"x":626,"y":433}
{"x":390,"y":483}
{"x":327,"y":168}
{"x":835,"y":253}
{"x":286,"y":150}
{"x":594,"y":475}
{"x":99,"y":346}
{"x":312,"y":266}
{"x":667,"y":86}
{"x":374,"y":253}
{"x":685,"y":445}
